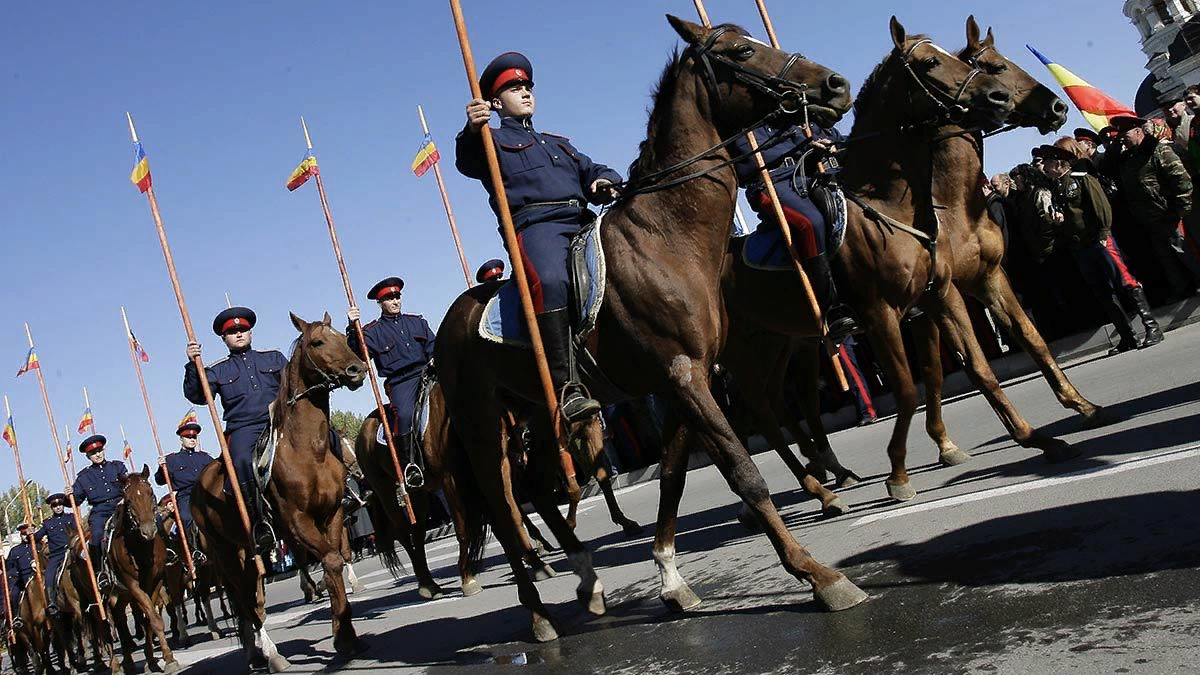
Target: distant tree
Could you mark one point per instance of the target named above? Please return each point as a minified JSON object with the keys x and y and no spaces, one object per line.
{"x":14,"y":507}
{"x":347,"y":424}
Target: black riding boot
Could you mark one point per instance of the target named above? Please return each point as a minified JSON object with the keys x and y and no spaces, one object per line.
{"x":1154,"y":334}
{"x":198,"y":557}
{"x":839,"y":317}
{"x":260,"y":525}
{"x":556,"y":338}
{"x":1120,"y":321}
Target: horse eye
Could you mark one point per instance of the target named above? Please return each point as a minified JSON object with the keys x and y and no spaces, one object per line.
{"x":930,"y":62}
{"x":316,"y":343}
{"x":744,"y":52}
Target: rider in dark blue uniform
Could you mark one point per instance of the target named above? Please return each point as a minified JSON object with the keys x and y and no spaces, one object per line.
{"x":184,"y":466}
{"x":794,"y":184}
{"x":549,"y":185}
{"x":400,"y":344}
{"x":246,"y":381}
{"x":19,"y":566}
{"x":57,"y":531}
{"x":100,"y":485}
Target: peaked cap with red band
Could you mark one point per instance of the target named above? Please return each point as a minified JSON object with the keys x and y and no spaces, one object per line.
{"x":492,"y":269}
{"x":506,"y":69}
{"x":386,"y":287}
{"x":1085,"y":134}
{"x":191,"y":430}
{"x":92,"y":444}
{"x":234,"y":317}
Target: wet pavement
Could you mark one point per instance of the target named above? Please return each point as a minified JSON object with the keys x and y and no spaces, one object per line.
{"x":1003,"y":564}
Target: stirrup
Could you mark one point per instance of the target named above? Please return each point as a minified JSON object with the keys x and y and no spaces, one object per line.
{"x":577,"y":406}
{"x":198,"y":558}
{"x":264,"y":536}
{"x":18,"y":623}
{"x":414,"y":477}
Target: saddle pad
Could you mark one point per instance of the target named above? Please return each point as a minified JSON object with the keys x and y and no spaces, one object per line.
{"x":264,"y":452}
{"x":764,"y":249}
{"x":420,"y":415}
{"x":503,"y":320}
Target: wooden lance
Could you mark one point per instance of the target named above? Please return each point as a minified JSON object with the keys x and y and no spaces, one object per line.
{"x":198,"y":362}
{"x":37,"y":568}
{"x":777,"y":207}
{"x":514,"y":251}
{"x":437,"y":173}
{"x":62,"y":464}
{"x":401,"y":489}
{"x":12,"y":637}
{"x":162,"y":462}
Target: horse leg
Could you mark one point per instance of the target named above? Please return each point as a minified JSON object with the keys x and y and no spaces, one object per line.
{"x":927,"y":337}
{"x":536,"y":543}
{"x":590,"y":591}
{"x":999,"y":297}
{"x":152,"y":622}
{"x":628,"y":525}
{"x":809,"y":365}
{"x":883,"y":328}
{"x":414,"y":543}
{"x":116,"y":610}
{"x":307,"y":585}
{"x":958,"y":328}
{"x":209,"y":618}
{"x":321,"y":544}
{"x":356,"y":586}
{"x":673,"y":590}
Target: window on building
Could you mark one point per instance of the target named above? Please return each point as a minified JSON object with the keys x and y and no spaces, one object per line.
{"x":1188,"y":6}
{"x":1160,"y":8}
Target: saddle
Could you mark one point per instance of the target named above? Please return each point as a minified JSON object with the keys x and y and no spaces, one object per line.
{"x":413,"y":452}
{"x":503,"y":319}
{"x":765,"y":250}
{"x":264,"y":452}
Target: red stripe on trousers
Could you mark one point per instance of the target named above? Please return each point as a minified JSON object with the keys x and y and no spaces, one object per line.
{"x":1127,"y":278}
{"x":804,"y":237}
{"x":857,"y":377}
{"x":531,"y":275}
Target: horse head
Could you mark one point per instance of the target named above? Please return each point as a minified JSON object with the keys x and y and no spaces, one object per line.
{"x":919,"y":83}
{"x":1034,"y":104}
{"x":139,"y":504}
{"x":749,"y":79}
{"x":325,"y":357}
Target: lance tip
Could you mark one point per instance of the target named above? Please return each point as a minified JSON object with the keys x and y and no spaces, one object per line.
{"x":307,"y":138}
{"x":132,"y":131}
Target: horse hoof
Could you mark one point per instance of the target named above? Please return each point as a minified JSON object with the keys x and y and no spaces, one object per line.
{"x":680,"y":599}
{"x":901,"y":493}
{"x":278,"y":664}
{"x":631,"y":528}
{"x":470,"y":588}
{"x":594,"y":602}
{"x":543,"y":630}
{"x":351,"y":647}
{"x":953,"y":457}
{"x":841,"y":594}
{"x":358,"y":587}
{"x":1059,"y":451}
{"x":817,"y":471}
{"x":746,"y":517}
{"x":848,"y":479}
{"x":430,"y":592}
{"x":1101,"y":417}
{"x":543,"y":573}
{"x":171,"y":668}
{"x":214,"y":634}
{"x":836,"y":507}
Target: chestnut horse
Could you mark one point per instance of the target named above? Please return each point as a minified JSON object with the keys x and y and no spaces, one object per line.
{"x":305,"y":493}
{"x":662,"y":325}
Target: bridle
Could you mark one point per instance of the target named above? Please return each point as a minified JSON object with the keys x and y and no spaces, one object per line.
{"x":132,"y":521}
{"x":328,"y":382}
{"x":790,"y":100}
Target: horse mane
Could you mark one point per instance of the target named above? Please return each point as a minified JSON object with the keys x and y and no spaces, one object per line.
{"x":285,"y":385}
{"x":875,"y":88}
{"x":660,"y":119}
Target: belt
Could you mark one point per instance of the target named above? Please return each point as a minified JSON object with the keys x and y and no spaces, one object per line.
{"x":564,"y":202}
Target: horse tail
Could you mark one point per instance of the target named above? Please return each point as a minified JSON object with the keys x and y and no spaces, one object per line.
{"x":385,"y":537}
{"x":470,"y":496}
{"x":382,"y":487}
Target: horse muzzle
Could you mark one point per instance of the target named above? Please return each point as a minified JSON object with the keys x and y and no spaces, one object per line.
{"x":354,"y":376}
{"x":148,"y":531}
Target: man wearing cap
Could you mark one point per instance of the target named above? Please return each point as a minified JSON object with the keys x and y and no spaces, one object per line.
{"x":100,"y":485}
{"x":19,"y":566}
{"x":1085,"y":228}
{"x":246,"y":381}
{"x":549,"y":185}
{"x":492,"y":270}
{"x":401,"y":346}
{"x":1158,"y":191}
{"x":184,"y":466}
{"x":56,"y":530}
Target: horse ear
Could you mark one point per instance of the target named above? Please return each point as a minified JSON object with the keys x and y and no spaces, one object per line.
{"x":972,"y":33}
{"x":898,"y":33}
{"x":988,"y":41}
{"x":123,"y":479}
{"x":690,"y":32}
{"x":299,"y":323}
{"x":328,"y":321}
{"x":146,"y":471}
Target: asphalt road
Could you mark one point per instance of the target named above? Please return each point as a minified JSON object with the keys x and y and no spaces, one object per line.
{"x":1003,"y":564}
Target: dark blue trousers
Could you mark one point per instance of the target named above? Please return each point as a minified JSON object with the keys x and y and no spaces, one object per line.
{"x":1102,"y":266}
{"x":403,"y":395}
{"x":53,"y":565}
{"x":544,"y":248}
{"x":96,"y":518}
{"x":241,"y":449}
{"x":808,"y":225}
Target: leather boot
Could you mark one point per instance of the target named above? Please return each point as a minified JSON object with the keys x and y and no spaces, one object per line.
{"x":1120,"y":321}
{"x":260,"y":525}
{"x":556,"y":339}
{"x":198,"y":557}
{"x":103,"y":577}
{"x":839,"y":317}
{"x":1154,"y":334}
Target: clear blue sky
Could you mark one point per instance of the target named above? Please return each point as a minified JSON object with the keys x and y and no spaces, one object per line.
{"x":216,"y":90}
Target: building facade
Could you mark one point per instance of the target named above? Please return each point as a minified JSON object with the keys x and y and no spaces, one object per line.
{"x":1170,"y":34}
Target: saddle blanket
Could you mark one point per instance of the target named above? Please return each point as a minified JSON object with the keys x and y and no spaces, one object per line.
{"x":503,"y":319}
{"x":420,"y":423}
{"x":764,"y":249}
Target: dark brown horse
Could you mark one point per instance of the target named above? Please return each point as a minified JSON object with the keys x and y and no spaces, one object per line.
{"x":78,"y":624}
{"x":137,"y":555}
{"x":34,"y":638}
{"x":663,"y":322}
{"x":305,"y":492}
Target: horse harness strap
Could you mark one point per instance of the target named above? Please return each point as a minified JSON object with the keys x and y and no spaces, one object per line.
{"x":927,"y":239}
{"x":328,"y":383}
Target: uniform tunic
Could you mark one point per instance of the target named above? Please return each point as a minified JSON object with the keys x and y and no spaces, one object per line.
{"x":401,"y":345}
{"x":546,"y":181}
{"x":246,"y":382}
{"x":1087,"y":232}
{"x":185,"y":467}
{"x":19,"y":566}
{"x":99,"y":485}
{"x":56,"y":530}
{"x":805,"y":218}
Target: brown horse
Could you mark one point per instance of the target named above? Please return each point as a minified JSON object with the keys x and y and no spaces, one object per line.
{"x":663,"y":322}
{"x":891,"y":270}
{"x":78,"y":624}
{"x":305,"y":492}
{"x":34,"y":638}
{"x":138,"y":559}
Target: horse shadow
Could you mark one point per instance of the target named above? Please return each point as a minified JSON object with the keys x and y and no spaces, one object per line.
{"x":1117,"y":536}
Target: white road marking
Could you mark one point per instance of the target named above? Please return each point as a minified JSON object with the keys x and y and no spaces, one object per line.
{"x":1085,"y":474}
